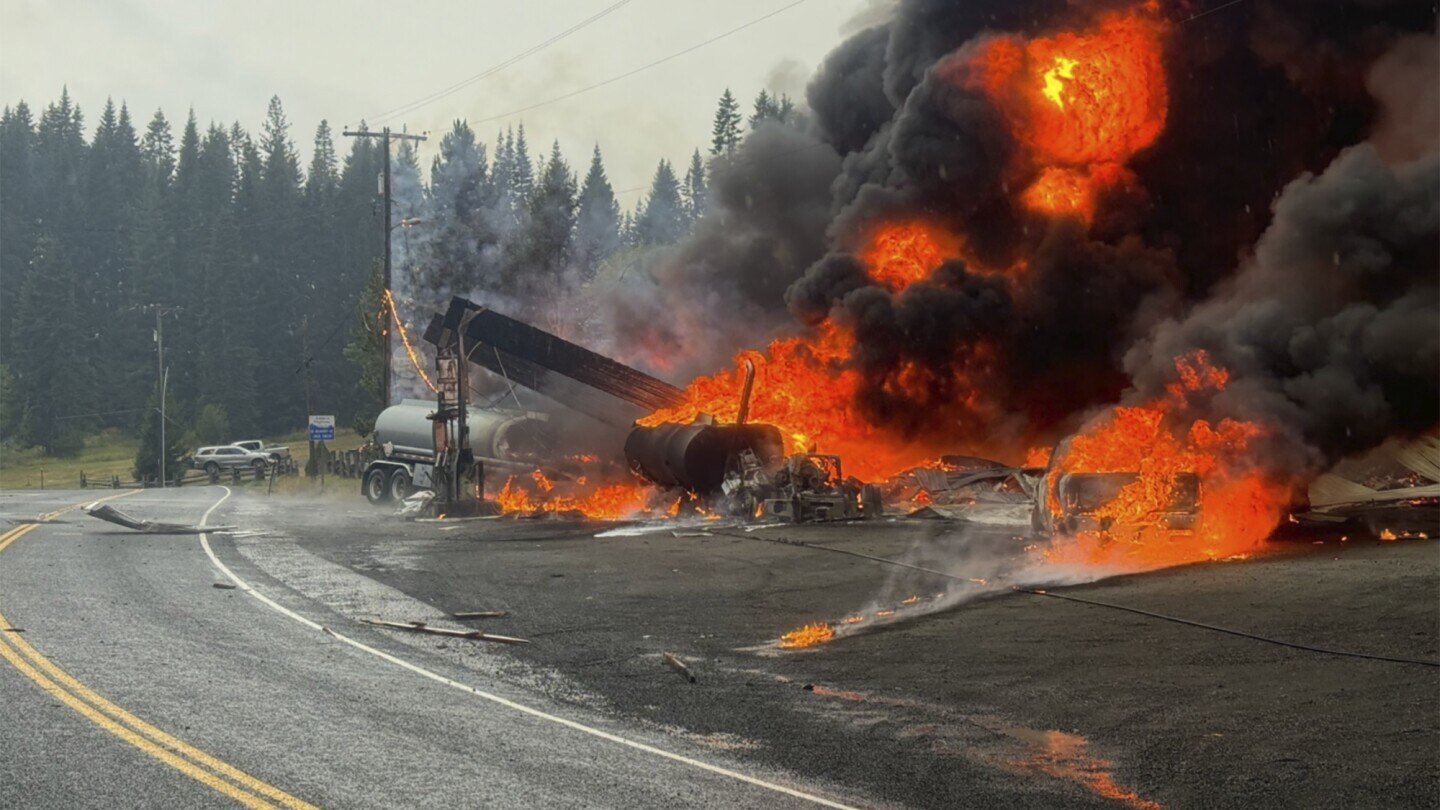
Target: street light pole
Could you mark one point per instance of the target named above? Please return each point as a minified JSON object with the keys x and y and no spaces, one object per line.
{"x":385,"y":190}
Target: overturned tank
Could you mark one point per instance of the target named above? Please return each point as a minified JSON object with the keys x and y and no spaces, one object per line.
{"x":698,"y":456}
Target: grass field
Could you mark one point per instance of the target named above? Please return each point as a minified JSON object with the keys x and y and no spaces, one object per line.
{"x":113,"y":453}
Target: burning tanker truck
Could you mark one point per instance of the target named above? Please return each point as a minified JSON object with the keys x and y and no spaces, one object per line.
{"x":738,"y":468}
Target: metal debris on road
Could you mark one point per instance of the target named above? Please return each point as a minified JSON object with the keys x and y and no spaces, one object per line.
{"x":679,"y":666}
{"x":112,"y":515}
{"x":422,"y":627}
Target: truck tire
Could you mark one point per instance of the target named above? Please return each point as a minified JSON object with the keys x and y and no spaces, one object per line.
{"x":399,"y":485}
{"x":375,"y":486}
{"x":872,"y":502}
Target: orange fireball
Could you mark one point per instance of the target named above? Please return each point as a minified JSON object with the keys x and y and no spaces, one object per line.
{"x":902,"y":254}
{"x":1080,"y":103}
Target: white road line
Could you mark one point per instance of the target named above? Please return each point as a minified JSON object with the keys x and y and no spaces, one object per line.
{"x":506,"y":702}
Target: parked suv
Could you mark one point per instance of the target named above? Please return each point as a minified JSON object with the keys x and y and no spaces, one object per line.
{"x":215,"y":459}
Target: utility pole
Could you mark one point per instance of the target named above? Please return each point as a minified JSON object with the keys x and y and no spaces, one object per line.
{"x":387,"y":136}
{"x":160,"y":310}
{"x":313,"y":462}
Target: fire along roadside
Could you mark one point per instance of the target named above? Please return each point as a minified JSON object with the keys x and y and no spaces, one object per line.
{"x":1084,"y":601}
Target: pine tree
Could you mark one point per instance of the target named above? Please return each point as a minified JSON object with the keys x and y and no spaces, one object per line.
{"x":218,"y":317}
{"x":459,"y":190}
{"x":628,"y":235}
{"x":60,"y":165}
{"x":765,"y":109}
{"x":785,"y":110}
{"x":522,"y":182}
{"x":725,"y":135}
{"x":158,"y":148}
{"x":502,"y":177}
{"x":694,"y":192}
{"x":147,"y":455}
{"x":597,"y":225}
{"x":551,"y":223}
{"x":457,"y":175}
{"x":113,"y":183}
{"x":148,"y":281}
{"x":663,"y":220}
{"x":323,"y":177}
{"x":49,"y":365}
{"x":280,"y":273}
{"x":8,"y":397}
{"x":183,"y":199}
{"x":18,"y":205}
{"x":366,"y":349}
{"x":778,"y":107}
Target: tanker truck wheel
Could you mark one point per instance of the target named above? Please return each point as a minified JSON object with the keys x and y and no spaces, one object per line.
{"x":399,"y":485}
{"x":374,"y":487}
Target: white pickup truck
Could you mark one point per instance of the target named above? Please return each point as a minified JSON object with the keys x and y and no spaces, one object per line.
{"x":275,"y":452}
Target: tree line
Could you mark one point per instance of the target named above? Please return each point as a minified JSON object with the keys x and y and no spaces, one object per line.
{"x":264,"y":275}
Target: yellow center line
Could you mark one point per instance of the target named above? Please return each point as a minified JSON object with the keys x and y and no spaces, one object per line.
{"x":183,"y":757}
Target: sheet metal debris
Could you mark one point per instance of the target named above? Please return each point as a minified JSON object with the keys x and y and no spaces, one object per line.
{"x":112,"y":515}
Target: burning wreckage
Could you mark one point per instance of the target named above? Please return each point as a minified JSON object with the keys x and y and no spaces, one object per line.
{"x":1002,"y":227}
{"x":447,"y":448}
{"x":741,"y":468}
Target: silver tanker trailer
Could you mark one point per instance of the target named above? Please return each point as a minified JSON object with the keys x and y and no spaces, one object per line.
{"x":405,"y":436}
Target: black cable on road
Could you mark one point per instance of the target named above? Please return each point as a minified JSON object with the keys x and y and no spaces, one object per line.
{"x":1393,"y":659}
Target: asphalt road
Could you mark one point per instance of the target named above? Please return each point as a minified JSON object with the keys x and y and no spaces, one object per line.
{"x":135,"y":619}
{"x":976,"y":698}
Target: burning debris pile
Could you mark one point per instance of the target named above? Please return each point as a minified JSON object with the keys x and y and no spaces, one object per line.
{"x":1010,"y":226}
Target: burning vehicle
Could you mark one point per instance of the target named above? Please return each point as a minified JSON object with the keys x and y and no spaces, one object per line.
{"x":1093,"y":502}
{"x":813,"y":487}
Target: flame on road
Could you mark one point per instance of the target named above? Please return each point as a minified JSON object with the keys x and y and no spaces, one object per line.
{"x":807,"y":636}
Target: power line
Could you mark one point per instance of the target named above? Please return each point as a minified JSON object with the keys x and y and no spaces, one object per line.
{"x":492,"y":70}
{"x":644,"y":67}
{"x":748,"y":162}
{"x":1221,"y":7}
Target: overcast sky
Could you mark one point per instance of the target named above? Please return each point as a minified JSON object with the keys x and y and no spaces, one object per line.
{"x":347,"y":61}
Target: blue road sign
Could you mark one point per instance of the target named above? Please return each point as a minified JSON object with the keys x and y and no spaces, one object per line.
{"x":322,"y":428}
